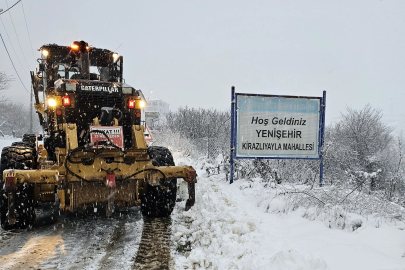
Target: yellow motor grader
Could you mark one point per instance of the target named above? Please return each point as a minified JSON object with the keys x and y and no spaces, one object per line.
{"x":93,"y":150}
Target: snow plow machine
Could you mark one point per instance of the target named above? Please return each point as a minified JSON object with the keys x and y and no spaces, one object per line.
{"x":92,"y":151}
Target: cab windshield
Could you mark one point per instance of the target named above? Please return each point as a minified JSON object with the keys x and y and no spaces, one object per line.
{"x":62,"y":63}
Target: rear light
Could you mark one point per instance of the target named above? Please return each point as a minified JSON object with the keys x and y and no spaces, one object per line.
{"x":66,"y":101}
{"x":10,"y":181}
{"x":111,"y":179}
{"x":192,"y":178}
{"x":131,"y":103}
{"x":138,"y":115}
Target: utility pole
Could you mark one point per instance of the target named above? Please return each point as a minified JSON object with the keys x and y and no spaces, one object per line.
{"x":31,"y":105}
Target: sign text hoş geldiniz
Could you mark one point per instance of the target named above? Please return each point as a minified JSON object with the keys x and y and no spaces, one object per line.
{"x":277,"y":127}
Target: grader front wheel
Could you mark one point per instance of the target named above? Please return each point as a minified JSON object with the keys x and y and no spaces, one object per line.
{"x":159,"y":201}
{"x":17,"y":157}
{"x":24,"y":208}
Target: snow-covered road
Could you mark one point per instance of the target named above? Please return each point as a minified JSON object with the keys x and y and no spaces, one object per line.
{"x":75,"y":242}
{"x":88,"y":241}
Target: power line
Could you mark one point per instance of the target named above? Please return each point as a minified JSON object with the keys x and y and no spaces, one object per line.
{"x":15,"y":31}
{"x":32,"y":48}
{"x":11,"y":7}
{"x":13,"y":64}
{"x":11,"y":44}
{"x":118,"y":47}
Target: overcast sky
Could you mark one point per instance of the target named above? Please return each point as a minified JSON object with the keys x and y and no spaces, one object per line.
{"x":192,"y":52}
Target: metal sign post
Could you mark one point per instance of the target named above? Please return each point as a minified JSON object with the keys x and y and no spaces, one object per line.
{"x":322,"y":138}
{"x":233,"y":140}
{"x":277,"y":127}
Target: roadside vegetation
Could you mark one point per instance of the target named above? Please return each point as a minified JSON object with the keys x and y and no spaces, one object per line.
{"x":363,"y":166}
{"x":14,"y":116}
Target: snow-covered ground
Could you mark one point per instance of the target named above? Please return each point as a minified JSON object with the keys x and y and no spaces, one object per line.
{"x":238,"y":226}
{"x":233,"y":227}
{"x":6,"y":141}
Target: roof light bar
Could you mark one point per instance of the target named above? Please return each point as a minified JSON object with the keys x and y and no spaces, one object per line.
{"x":74,"y":46}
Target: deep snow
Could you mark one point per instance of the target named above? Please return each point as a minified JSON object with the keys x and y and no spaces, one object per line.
{"x":232,"y":227}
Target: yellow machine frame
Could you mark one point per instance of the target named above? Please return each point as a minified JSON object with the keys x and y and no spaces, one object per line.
{"x":78,"y":185}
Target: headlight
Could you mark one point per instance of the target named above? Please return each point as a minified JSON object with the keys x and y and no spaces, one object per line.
{"x":115,"y":56}
{"x":51,"y":102}
{"x":45,"y":53}
{"x":142,"y":104}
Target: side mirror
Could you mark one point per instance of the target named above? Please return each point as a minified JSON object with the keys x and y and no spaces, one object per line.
{"x":41,"y":67}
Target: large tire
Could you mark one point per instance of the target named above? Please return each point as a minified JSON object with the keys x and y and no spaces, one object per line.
{"x":24,"y":201}
{"x":159,"y":201}
{"x":17,"y":157}
{"x":30,"y":140}
{"x":161,"y":156}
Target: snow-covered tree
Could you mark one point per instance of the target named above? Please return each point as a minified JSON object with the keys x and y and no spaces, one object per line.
{"x":14,"y":116}
{"x":5,"y":83}
{"x":195,"y":123}
{"x":360,"y":145}
{"x":365,"y":134}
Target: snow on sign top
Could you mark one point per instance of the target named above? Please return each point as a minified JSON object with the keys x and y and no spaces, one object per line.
{"x":277,"y":127}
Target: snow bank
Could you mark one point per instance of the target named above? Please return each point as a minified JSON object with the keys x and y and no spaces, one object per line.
{"x":245,"y":226}
{"x":219,"y":232}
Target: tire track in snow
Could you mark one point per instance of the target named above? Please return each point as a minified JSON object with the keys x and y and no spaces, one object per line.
{"x":122,"y":246}
{"x":154,"y":249}
{"x":100,"y":242}
{"x":82,"y":242}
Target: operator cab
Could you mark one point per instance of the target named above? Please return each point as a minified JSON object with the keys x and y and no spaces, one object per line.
{"x":84,"y":85}
{"x":80,"y":61}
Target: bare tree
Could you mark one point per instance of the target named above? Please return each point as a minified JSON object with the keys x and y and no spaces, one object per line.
{"x":365,"y":133}
{"x":14,"y":119}
{"x":360,"y":145}
{"x":5,"y":81}
{"x":195,"y":123}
